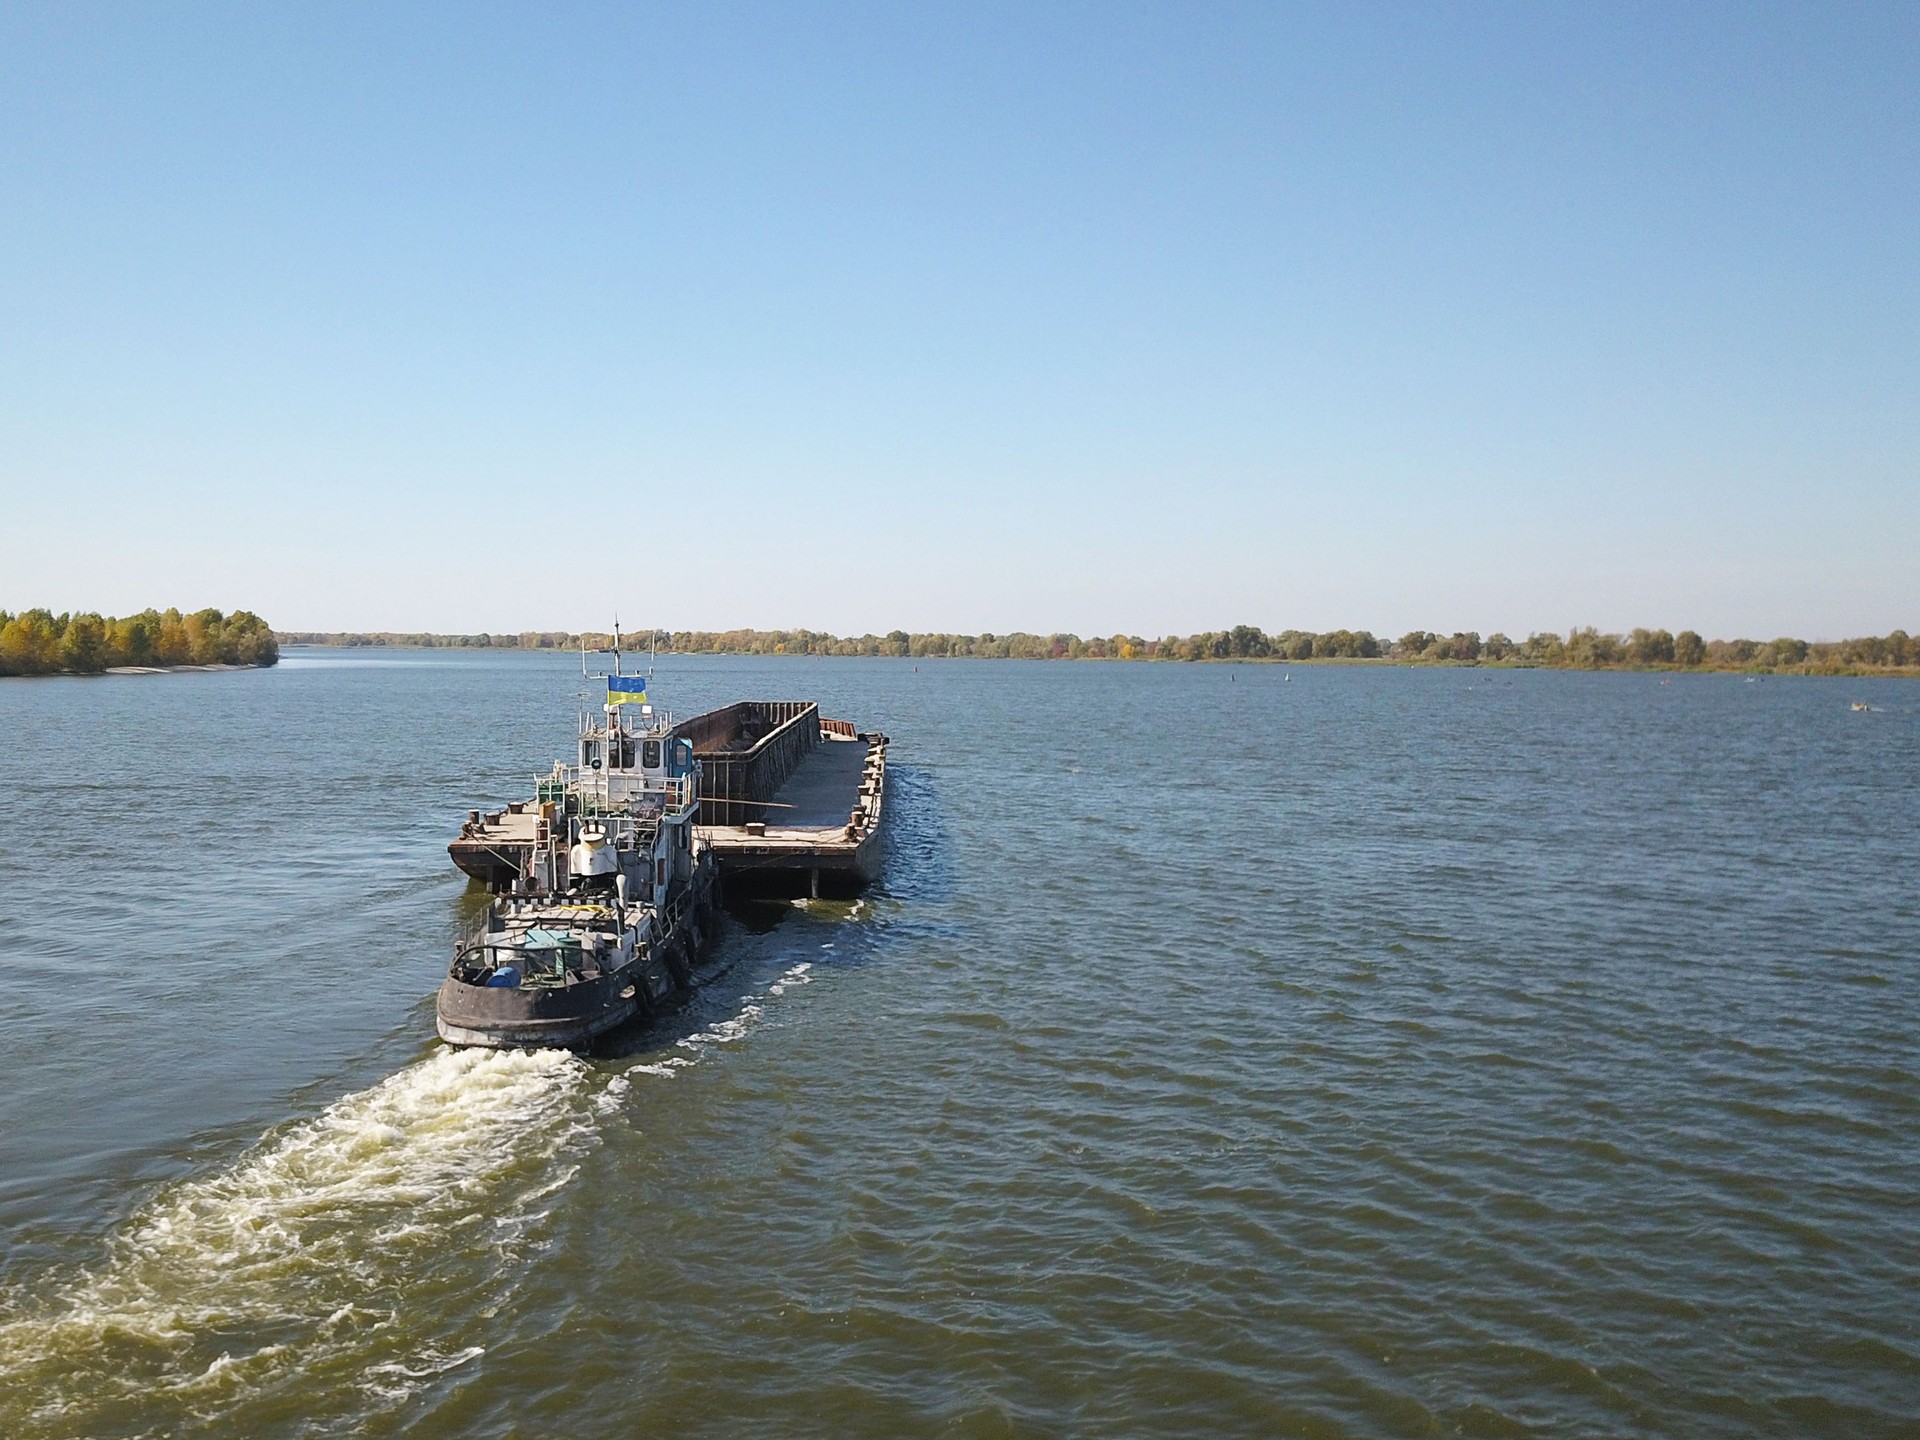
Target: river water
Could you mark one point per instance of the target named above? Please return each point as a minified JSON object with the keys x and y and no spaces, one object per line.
{"x":1334,"y":1051}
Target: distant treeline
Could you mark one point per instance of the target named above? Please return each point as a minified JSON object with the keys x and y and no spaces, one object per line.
{"x":38,"y":642}
{"x":525,"y":640}
{"x":1582,"y":649}
{"x":1589,"y":649}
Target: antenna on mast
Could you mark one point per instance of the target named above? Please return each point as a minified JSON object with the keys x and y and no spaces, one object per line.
{"x":616,"y":644}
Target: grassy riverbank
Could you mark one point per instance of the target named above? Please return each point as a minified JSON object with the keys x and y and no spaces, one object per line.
{"x":39,"y":642}
{"x":1580,"y":649}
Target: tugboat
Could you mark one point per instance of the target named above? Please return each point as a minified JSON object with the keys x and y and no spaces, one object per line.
{"x":614,"y":902}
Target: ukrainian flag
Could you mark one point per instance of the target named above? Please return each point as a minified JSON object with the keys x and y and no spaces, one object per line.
{"x":626,"y":690}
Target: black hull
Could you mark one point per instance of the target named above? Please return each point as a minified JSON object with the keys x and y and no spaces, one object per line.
{"x":567,"y":1017}
{"x":513,"y":1019}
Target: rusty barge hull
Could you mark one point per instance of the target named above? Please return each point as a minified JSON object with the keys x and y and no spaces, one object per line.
{"x":790,"y":804}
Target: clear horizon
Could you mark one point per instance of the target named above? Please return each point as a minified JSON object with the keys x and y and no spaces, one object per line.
{"x":1154,"y":319}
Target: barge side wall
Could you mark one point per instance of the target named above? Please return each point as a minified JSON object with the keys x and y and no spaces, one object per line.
{"x":732,"y":779}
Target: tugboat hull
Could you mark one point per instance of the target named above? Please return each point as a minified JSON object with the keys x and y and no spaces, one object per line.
{"x":562,"y":1017}
{"x":511,"y":1019}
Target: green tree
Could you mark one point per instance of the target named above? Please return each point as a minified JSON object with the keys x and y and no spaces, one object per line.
{"x":246,"y":639}
{"x":1542,"y":648}
{"x":1248,"y":642}
{"x":1784,"y":651}
{"x":1651,"y":647}
{"x":130,"y":641}
{"x":83,"y":647}
{"x":1588,"y":649}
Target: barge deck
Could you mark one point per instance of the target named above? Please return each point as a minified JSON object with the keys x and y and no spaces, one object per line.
{"x":820,"y":834}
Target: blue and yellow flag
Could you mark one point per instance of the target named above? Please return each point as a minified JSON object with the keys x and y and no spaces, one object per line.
{"x":626,"y":690}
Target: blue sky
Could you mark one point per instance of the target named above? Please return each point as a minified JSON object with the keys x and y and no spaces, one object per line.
{"x":1108,"y":317}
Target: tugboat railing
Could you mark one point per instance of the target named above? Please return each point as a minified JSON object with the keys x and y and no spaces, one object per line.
{"x":545,"y":960}
{"x":658,"y":724}
{"x":677,"y":793}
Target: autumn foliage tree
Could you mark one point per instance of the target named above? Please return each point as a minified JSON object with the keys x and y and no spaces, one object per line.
{"x":38,"y":642}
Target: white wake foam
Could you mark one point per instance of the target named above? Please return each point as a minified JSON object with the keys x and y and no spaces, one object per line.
{"x":721,"y":1032}
{"x":303,"y":1248}
{"x":798,"y":975}
{"x":338,"y":1253}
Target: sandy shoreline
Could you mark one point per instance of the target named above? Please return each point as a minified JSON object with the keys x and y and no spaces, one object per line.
{"x":168,"y":669}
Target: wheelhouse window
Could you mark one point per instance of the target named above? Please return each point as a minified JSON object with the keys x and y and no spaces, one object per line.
{"x":650,"y":754}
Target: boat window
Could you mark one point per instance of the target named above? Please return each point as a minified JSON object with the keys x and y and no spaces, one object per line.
{"x":683,"y":755}
{"x":650,"y":755}
{"x":592,"y":753}
{"x":626,"y":752}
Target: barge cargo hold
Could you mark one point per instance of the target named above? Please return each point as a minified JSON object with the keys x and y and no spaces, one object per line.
{"x":790,"y":804}
{"x":809,"y":826}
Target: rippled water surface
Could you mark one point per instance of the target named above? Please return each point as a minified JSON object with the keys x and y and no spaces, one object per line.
{"x":1342,"y":1051}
